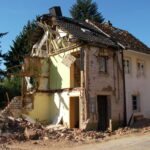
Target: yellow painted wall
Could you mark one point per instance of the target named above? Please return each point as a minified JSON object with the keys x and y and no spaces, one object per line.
{"x":41,"y":110}
{"x":59,"y":73}
{"x":47,"y":108}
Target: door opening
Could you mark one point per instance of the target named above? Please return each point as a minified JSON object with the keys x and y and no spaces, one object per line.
{"x":103,"y":116}
{"x":74,"y":112}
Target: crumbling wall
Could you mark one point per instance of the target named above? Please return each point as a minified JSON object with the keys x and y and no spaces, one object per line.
{"x":13,"y":108}
{"x":109,"y":84}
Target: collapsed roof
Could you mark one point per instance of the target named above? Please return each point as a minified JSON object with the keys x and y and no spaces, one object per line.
{"x":81,"y":30}
{"x":93,"y":33}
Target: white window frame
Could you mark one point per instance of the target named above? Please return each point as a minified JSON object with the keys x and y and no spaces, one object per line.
{"x":127,"y":65}
{"x":140,"y":68}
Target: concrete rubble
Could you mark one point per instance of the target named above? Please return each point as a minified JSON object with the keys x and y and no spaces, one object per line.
{"x":12,"y":130}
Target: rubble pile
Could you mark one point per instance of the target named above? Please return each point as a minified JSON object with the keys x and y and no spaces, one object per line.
{"x":22,"y":130}
{"x":74,"y":135}
{"x":18,"y":129}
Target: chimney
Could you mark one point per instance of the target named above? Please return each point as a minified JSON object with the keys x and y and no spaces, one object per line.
{"x":55,"y":11}
{"x":108,"y":23}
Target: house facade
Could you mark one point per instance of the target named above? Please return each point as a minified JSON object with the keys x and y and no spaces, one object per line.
{"x":136,"y":57}
{"x":73,"y":76}
{"x":137,"y":75}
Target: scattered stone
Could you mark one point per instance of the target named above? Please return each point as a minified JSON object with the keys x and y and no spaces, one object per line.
{"x":12,"y":130}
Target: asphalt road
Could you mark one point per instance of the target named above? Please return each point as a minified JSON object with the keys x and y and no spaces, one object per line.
{"x":138,"y":142}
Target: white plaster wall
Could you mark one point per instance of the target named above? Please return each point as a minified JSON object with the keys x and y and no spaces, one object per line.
{"x":59,"y":106}
{"x":138,"y":85}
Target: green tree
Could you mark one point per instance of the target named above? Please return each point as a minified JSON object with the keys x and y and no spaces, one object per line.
{"x":11,"y":86}
{"x":21,"y":46}
{"x":1,"y":56}
{"x":86,"y":9}
{"x":14,"y":57}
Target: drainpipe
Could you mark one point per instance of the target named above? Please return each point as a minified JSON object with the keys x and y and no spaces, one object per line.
{"x":124,"y":92}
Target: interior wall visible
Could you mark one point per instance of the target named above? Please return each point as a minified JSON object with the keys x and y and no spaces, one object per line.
{"x":59,"y":108}
{"x":50,"y":108}
{"x":41,"y":108}
{"x":59,"y":73}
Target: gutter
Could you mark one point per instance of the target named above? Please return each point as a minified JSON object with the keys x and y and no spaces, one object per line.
{"x":134,"y":51}
{"x":124,"y":91}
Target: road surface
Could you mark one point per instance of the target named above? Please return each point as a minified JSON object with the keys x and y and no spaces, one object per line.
{"x":138,"y":142}
{"x":131,"y":142}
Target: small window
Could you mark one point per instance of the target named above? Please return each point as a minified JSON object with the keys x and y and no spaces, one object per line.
{"x":140,"y":68}
{"x":127,"y":66}
{"x":135,"y":103}
{"x":103,"y":64}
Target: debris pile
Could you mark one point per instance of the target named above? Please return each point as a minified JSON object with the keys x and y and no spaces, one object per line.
{"x":12,"y":130}
{"x":18,"y":129}
{"x":21,"y":130}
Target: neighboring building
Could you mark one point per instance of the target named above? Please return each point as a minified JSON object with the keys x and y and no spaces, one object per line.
{"x":137,"y":70}
{"x":76,"y":73}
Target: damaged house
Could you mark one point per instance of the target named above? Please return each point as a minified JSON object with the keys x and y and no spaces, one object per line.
{"x":136,"y":57}
{"x":74,"y":75}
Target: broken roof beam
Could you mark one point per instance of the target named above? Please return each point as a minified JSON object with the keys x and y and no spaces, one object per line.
{"x":66,"y":49}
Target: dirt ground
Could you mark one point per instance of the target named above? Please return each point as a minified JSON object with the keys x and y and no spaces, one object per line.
{"x":128,"y":141}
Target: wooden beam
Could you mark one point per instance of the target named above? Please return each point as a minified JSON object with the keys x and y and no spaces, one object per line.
{"x":26,"y":75}
{"x":65,"y":49}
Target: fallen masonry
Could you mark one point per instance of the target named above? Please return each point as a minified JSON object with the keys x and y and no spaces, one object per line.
{"x":12,"y":130}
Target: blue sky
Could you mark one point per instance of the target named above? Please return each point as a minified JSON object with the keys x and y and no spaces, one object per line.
{"x":131,"y":15}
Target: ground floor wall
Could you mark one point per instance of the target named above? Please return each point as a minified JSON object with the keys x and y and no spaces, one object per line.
{"x":52,"y":108}
{"x":115,"y":111}
{"x":40,"y":108}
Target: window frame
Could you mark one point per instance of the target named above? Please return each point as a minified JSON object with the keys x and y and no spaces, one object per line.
{"x":137,"y":107}
{"x":129,"y":67}
{"x":140,"y":71}
{"x":105,"y":64}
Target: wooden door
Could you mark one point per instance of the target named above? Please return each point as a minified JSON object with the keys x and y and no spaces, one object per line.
{"x":74,"y":112}
{"x":102,"y":103}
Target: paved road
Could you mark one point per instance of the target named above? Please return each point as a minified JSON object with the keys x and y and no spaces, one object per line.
{"x":138,"y":142}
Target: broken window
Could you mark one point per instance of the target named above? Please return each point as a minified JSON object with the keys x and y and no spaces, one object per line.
{"x":140,"y":68}
{"x":103,"y":64}
{"x":127,"y":66}
{"x":135,"y":103}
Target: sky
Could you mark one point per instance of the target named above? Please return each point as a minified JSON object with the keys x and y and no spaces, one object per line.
{"x":131,"y":15}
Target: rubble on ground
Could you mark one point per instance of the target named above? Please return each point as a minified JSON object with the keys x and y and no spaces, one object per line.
{"x":12,"y":130}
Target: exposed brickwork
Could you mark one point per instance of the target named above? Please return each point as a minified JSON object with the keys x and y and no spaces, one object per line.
{"x":13,"y":108}
{"x":109,"y":84}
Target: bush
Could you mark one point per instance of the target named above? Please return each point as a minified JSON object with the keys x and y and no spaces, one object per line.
{"x":11,"y":86}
